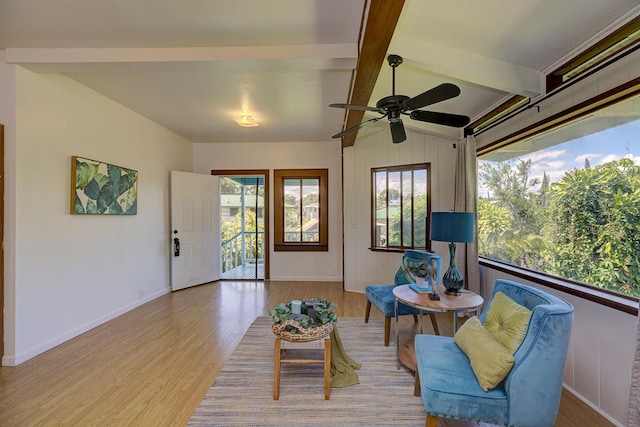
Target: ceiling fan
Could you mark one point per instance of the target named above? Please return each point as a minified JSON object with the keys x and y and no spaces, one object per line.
{"x":395,"y":105}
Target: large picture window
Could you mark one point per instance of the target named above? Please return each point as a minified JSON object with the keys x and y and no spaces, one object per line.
{"x":400,"y":207}
{"x":566,"y":202}
{"x":301,"y":214}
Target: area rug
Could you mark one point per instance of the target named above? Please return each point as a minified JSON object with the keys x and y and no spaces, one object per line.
{"x":242,"y":394}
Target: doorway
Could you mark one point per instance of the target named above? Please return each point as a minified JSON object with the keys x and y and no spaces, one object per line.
{"x":244,"y":223}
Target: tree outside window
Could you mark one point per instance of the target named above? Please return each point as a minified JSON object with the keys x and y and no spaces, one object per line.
{"x":400,"y":207}
{"x":301,"y":216}
{"x":568,"y":204}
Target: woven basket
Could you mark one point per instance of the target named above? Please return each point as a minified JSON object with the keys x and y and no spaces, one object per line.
{"x":304,"y":334}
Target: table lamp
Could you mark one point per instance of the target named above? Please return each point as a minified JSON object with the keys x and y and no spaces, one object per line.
{"x":452,"y":227}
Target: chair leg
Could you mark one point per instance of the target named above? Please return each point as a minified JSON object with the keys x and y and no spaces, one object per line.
{"x":434,"y":322}
{"x":432,"y":421}
{"x":367,"y":312}
{"x":416,"y":385}
{"x":387,"y":330}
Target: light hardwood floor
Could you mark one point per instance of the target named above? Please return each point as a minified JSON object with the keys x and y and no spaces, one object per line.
{"x":153,"y":365}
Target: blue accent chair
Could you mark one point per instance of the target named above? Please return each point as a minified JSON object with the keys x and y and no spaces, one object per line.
{"x":528,"y":396}
{"x":381,"y":296}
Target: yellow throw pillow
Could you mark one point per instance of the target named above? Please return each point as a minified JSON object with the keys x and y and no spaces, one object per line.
{"x":507,"y":321}
{"x":490,"y":360}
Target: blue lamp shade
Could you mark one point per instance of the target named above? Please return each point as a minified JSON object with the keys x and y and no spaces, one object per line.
{"x":452,"y":227}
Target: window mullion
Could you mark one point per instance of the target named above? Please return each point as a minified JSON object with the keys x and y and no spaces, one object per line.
{"x":413,"y":195}
{"x":386,"y":206}
{"x":300,"y":211}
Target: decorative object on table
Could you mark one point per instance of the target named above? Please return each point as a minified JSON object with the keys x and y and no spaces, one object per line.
{"x":102,"y":189}
{"x":452,"y":227}
{"x":296,"y":306}
{"x":315,"y":320}
{"x":423,"y":269}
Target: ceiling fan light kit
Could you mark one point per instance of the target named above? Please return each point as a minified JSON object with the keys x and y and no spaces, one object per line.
{"x":393,"y":106}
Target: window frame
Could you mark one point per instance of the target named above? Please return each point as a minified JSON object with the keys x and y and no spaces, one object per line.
{"x":280,"y":175}
{"x":621,"y":302}
{"x":401,"y":168}
{"x":619,"y":42}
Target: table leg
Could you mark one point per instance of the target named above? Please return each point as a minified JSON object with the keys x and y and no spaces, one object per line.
{"x":455,"y":322}
{"x":395,"y":311}
{"x":327,"y":368}
{"x":277,"y":354}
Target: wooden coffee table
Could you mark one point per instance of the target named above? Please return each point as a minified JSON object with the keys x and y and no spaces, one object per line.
{"x":466,"y":301}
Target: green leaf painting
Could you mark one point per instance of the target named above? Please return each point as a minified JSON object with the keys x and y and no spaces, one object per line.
{"x":102,"y":188}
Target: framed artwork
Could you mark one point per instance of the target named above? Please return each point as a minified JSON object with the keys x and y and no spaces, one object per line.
{"x":99,"y":188}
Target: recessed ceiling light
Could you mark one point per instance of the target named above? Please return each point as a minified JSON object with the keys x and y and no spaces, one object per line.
{"x":247,"y":121}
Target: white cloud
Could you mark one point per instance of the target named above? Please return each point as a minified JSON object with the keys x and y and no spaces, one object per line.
{"x":609,"y":158}
{"x":636,"y":159}
{"x":545,"y":154}
{"x":590,"y":156}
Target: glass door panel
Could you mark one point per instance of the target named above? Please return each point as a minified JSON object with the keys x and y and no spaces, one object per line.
{"x":242,"y":225}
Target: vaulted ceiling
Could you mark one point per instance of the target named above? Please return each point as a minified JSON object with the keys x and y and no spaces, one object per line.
{"x":196,"y":66}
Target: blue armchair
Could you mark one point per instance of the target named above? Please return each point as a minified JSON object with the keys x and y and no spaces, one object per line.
{"x":381,"y":296}
{"x":530,"y":393}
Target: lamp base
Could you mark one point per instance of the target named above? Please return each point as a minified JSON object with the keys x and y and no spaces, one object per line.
{"x":452,"y":279}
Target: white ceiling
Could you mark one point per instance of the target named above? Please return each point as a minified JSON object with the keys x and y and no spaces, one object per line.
{"x":194,"y":66}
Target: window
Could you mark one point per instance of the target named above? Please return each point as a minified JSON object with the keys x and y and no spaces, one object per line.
{"x":400,"y":207}
{"x":619,"y":41}
{"x":499,"y":113}
{"x":565,"y":200}
{"x":301,"y":213}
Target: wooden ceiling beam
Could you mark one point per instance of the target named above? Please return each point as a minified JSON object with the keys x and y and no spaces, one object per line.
{"x":381,"y":24}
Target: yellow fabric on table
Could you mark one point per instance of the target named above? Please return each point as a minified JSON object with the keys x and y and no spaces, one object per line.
{"x":343,"y":367}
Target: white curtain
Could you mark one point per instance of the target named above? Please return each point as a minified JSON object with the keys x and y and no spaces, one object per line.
{"x":634,"y":398}
{"x":466,"y":200}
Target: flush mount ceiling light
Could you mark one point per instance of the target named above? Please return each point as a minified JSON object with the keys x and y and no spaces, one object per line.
{"x":247,"y":121}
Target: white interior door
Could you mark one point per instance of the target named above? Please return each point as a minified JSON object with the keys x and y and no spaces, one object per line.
{"x":195,"y":229}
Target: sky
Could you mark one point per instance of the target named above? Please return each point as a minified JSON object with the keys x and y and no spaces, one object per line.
{"x":599,"y":148}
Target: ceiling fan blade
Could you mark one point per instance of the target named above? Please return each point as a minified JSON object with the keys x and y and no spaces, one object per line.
{"x":445,"y":119}
{"x":356,"y":127}
{"x":354,"y":107}
{"x":437,"y":94}
{"x":397,"y":131}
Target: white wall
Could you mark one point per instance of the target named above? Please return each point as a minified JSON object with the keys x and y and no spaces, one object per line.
{"x":74,"y":272}
{"x":603,"y":339}
{"x":373,"y":148}
{"x":303,"y":266}
{"x":8,"y":119}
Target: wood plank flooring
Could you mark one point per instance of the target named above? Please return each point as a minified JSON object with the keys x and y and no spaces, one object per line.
{"x":153,"y":365}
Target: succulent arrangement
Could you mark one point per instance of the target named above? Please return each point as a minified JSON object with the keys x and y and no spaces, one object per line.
{"x":315,"y":312}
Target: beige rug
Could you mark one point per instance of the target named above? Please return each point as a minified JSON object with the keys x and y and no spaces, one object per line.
{"x":242,"y":394}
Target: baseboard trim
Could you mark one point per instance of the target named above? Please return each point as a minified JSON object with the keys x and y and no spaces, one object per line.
{"x":305,"y":279}
{"x":10,"y":360}
{"x":593,"y":406}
